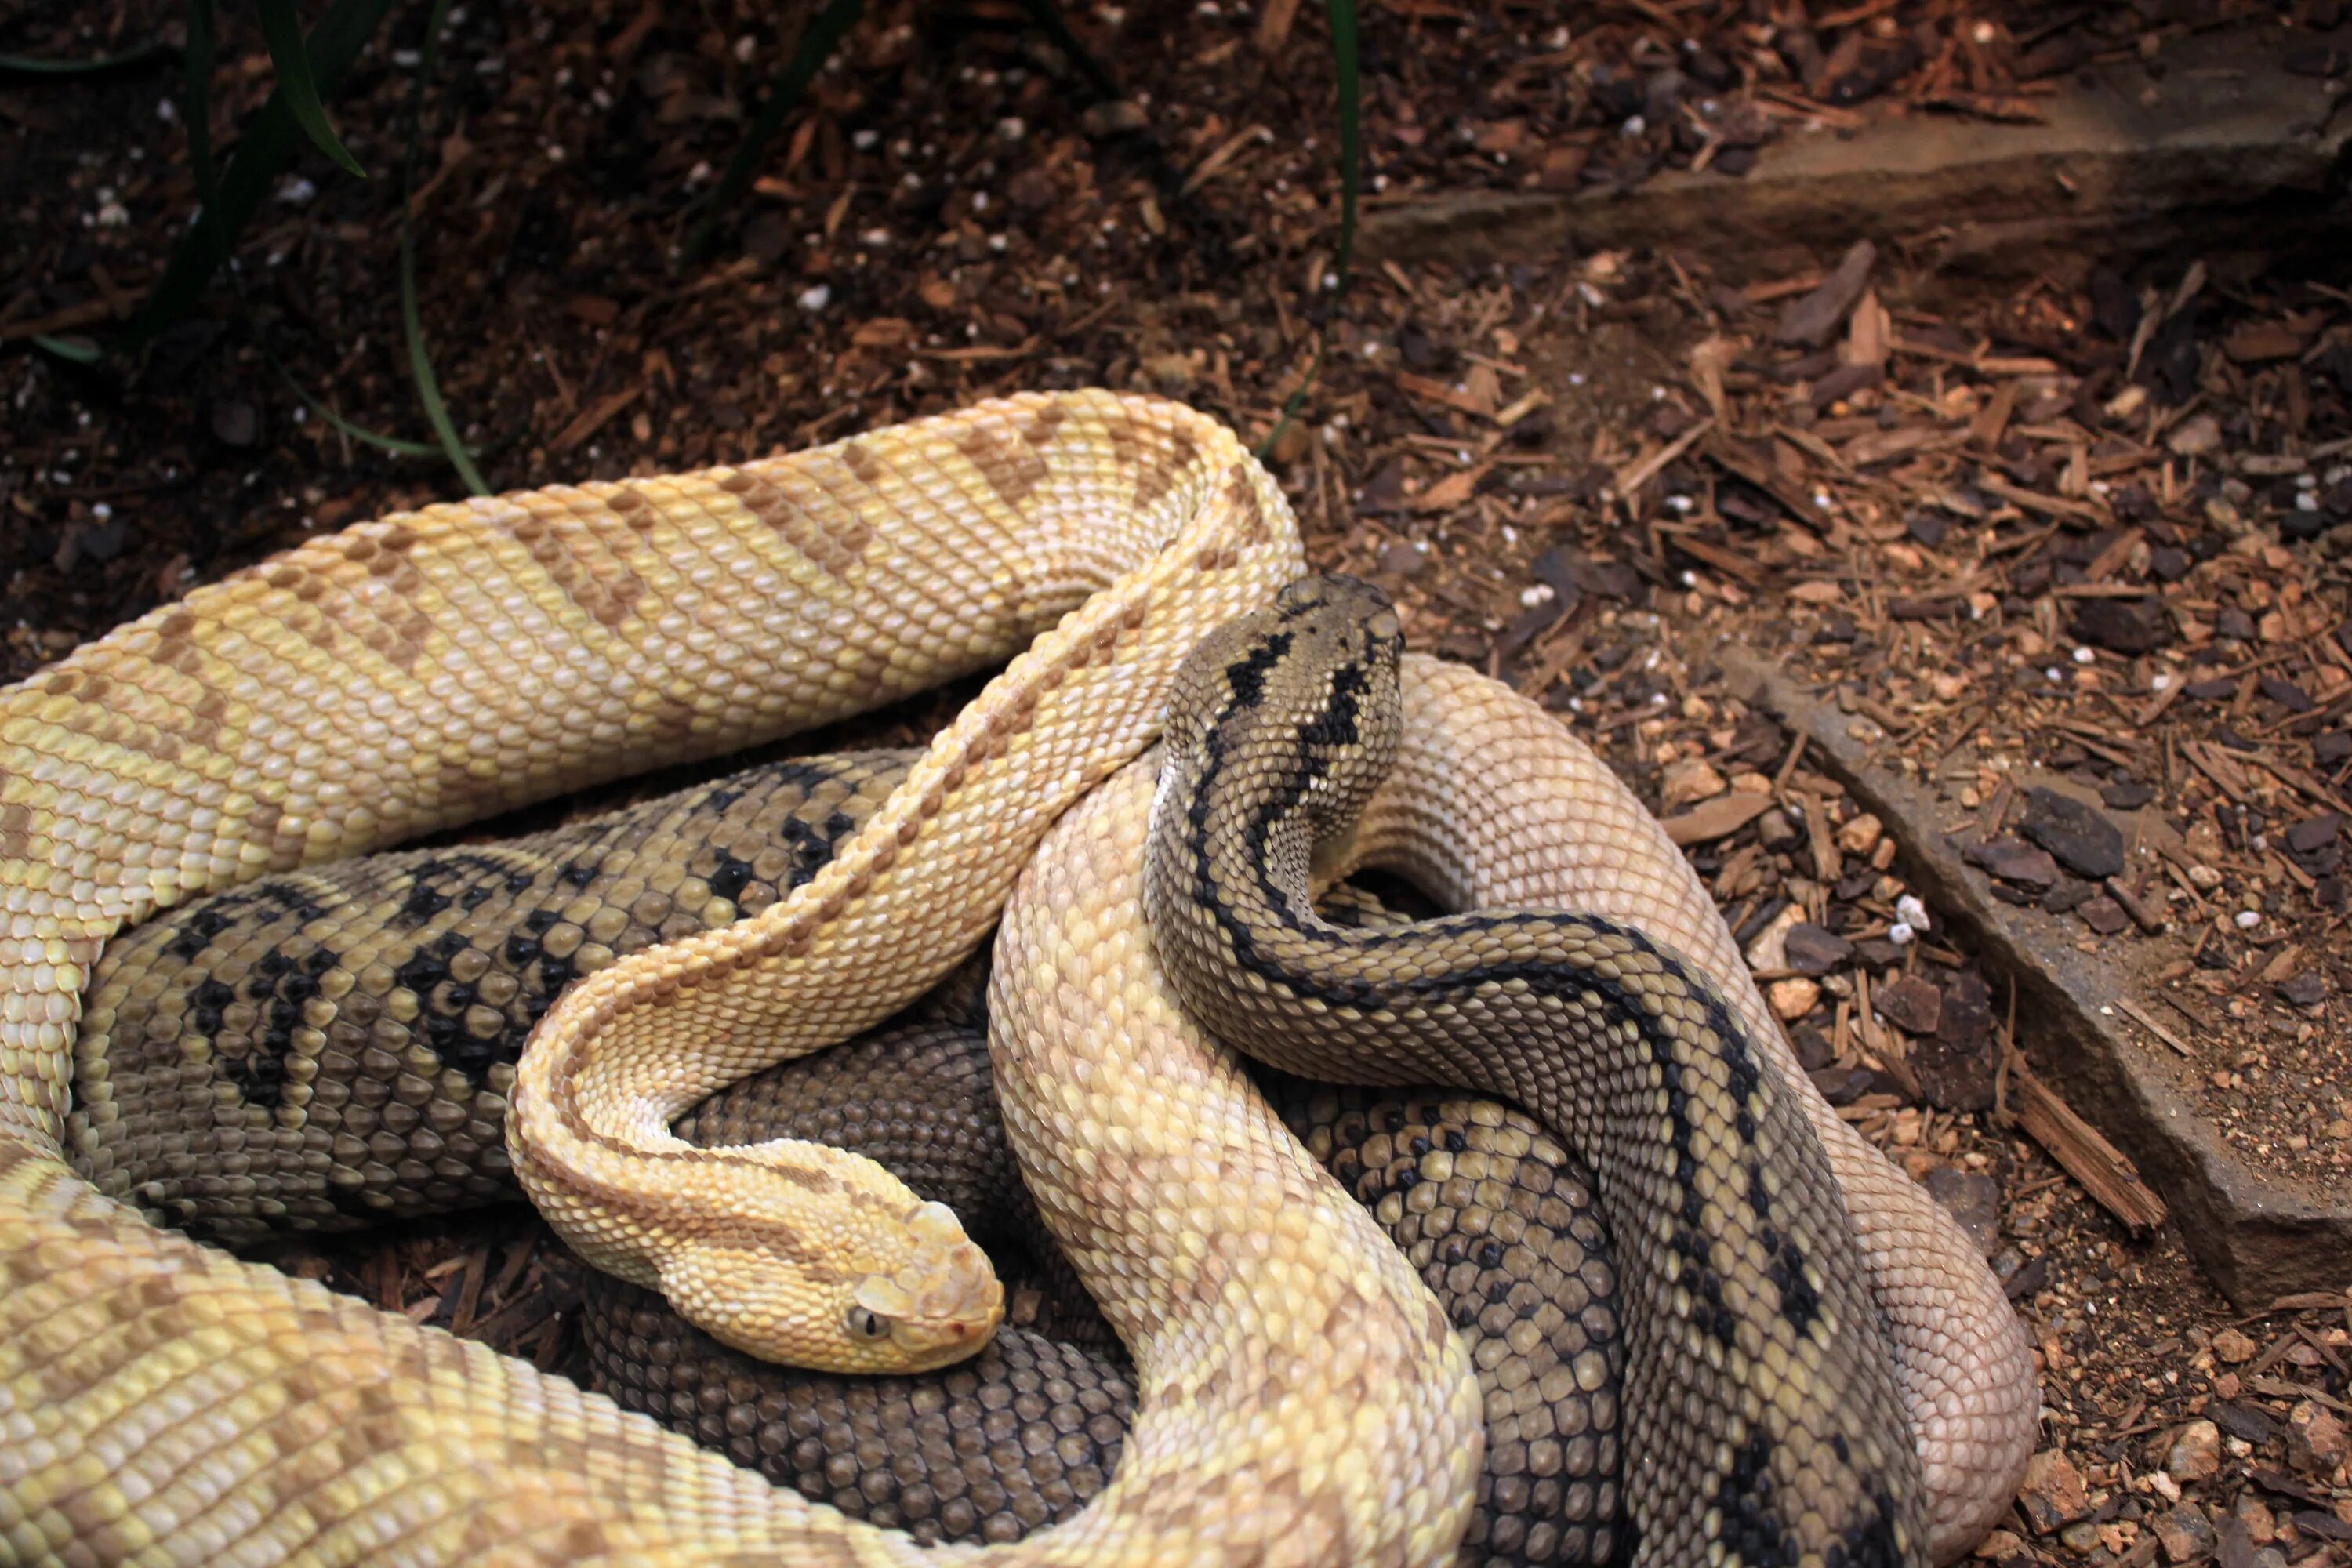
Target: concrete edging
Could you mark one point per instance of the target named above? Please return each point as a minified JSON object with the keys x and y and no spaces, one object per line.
{"x":2255,"y":1238}
{"x":2127,"y":162}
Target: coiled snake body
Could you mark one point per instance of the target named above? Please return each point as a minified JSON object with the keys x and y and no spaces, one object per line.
{"x":228,"y":1080}
{"x":159,"y":1402}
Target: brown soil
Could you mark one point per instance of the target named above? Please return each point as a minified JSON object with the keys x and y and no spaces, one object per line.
{"x":1569,"y":474}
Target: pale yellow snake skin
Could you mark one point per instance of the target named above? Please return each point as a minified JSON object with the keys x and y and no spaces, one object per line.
{"x":161,"y":1403}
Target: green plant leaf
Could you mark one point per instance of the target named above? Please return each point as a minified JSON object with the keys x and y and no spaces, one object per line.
{"x":200,"y":129}
{"x":80,"y":349}
{"x":824,"y":34}
{"x":27,"y":64}
{"x":269,"y":139}
{"x":281,"y":30}
{"x":412,"y":320}
{"x":360,"y":433}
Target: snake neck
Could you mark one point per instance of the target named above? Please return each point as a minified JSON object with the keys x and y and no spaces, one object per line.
{"x":1750,"y":1306}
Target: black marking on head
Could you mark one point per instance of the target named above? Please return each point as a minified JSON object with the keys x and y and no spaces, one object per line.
{"x":1246,"y":676}
{"x":1338,"y":724}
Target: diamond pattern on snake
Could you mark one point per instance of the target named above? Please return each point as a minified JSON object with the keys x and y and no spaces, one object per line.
{"x":1300,"y":1395}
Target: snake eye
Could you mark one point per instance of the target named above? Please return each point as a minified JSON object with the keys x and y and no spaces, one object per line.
{"x":868,"y":1325}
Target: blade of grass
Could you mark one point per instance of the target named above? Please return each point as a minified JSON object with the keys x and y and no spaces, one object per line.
{"x":269,"y":139}
{"x":82,"y":351}
{"x":281,"y":30}
{"x":360,"y":433}
{"x":412,"y":320}
{"x":1352,"y":151}
{"x":200,"y":129}
{"x":825,"y":32}
{"x":1048,"y":16}
{"x":27,"y":64}
{"x":200,"y":162}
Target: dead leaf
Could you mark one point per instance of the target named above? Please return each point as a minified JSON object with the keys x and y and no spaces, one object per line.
{"x":1708,"y":360}
{"x":1726,"y":814}
{"x":883,"y":332}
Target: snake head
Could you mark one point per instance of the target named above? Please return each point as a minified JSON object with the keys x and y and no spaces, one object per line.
{"x":908,"y":1297}
{"x":1305,"y":689}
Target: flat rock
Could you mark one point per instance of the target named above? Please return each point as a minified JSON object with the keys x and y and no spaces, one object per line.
{"x":2021,"y":865}
{"x":2304,"y":988}
{"x":2185,"y":1533}
{"x":2256,"y":1232}
{"x":2195,"y":1454}
{"x":2053,"y":1492}
{"x":2315,"y":1438}
{"x":1842,"y":1086}
{"x":2103,"y":915}
{"x":1911,"y":1004}
{"x":2076,"y":836}
{"x":1815,"y":318}
{"x":2314,"y":834}
{"x":1957,"y":1065}
{"x":2123,"y":625}
{"x":1815,"y":950}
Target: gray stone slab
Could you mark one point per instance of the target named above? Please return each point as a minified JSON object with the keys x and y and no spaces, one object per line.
{"x":2226,"y":146}
{"x":2255,"y":1236}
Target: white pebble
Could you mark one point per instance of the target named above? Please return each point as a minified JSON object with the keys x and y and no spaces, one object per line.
{"x":2085,"y":656}
{"x":1912,"y":912}
{"x":816,"y":297}
{"x":1901,"y":934}
{"x":2248,"y":919}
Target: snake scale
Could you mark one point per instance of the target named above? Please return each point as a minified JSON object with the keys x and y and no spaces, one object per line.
{"x":198,"y":1021}
{"x":1300,"y":1397}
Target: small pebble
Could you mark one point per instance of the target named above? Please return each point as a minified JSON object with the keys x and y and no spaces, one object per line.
{"x":2195,"y":1454}
{"x":1792,"y":998}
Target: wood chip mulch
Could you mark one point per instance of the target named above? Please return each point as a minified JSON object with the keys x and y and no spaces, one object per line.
{"x":2072,"y":553}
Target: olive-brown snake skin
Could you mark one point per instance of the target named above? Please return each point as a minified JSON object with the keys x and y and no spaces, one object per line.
{"x":1751,"y":1307}
{"x":160,"y":1403}
{"x":199,"y":1021}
